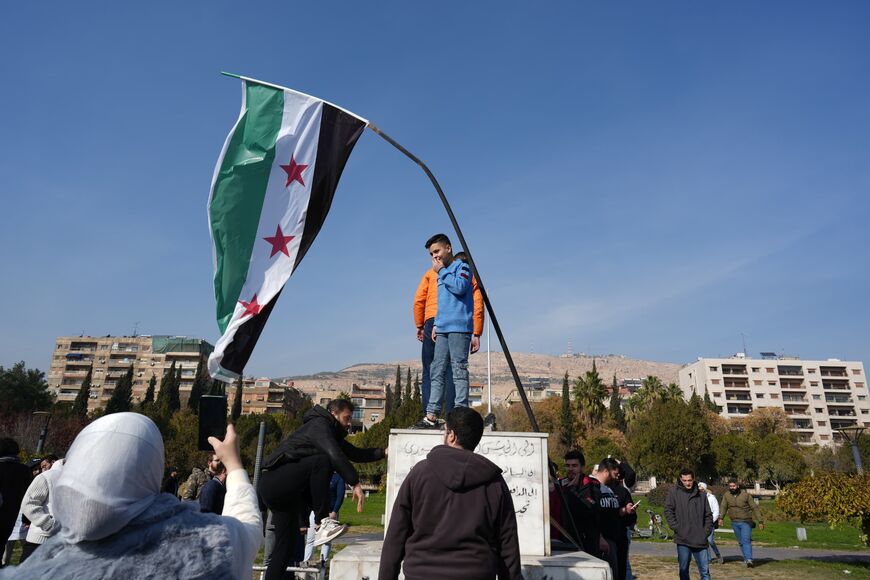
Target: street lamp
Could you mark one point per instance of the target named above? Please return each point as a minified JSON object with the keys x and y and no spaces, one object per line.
{"x":852,"y":434}
{"x":44,"y":435}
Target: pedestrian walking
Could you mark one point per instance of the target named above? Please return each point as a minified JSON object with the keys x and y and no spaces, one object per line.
{"x":688,"y":513}
{"x":739,"y":506}
{"x":714,"y":507}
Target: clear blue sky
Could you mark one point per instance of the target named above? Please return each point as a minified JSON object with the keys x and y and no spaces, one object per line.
{"x":650,"y":179}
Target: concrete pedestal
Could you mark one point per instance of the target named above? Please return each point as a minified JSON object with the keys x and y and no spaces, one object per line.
{"x":360,"y":562}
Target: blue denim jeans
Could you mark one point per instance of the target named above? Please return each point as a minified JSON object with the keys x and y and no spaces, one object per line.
{"x":702,"y":559}
{"x":628,"y":574}
{"x":743,"y":533}
{"x":712,"y":541}
{"x":425,"y":383}
{"x":451,"y":349}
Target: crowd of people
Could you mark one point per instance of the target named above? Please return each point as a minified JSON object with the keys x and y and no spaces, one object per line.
{"x":106,"y":509}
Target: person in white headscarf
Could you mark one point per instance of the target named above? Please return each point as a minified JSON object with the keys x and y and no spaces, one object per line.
{"x":115,"y":523}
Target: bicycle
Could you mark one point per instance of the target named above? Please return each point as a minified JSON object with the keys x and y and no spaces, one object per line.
{"x":655,"y":530}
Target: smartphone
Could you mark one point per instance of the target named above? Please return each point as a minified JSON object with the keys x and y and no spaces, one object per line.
{"x":637,"y":503}
{"x":212,"y":419}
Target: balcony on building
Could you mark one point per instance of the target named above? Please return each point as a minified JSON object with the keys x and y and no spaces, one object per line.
{"x":790,"y":371}
{"x":82,"y":346}
{"x":801,"y":424}
{"x":736,"y":383}
{"x":77,"y":358}
{"x":792,"y":410}
{"x":833,"y":371}
{"x":734,"y":370}
{"x":836,"y":385}
{"x":841,"y":411}
{"x":793,"y":384}
{"x":737,"y":396}
{"x":804,"y":438}
{"x":843,"y":423}
{"x":738,"y":409}
{"x":793,"y":398}
{"x":838,"y":399}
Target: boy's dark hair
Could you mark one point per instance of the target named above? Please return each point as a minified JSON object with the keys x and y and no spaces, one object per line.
{"x":467,"y":425}
{"x":50,"y":457}
{"x":336,"y":406}
{"x":575,"y":454}
{"x":8,"y":447}
{"x":686,"y":471}
{"x":438,"y":239}
{"x":609,"y":464}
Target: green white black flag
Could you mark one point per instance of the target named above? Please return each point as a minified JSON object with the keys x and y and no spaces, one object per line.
{"x":272,"y":189}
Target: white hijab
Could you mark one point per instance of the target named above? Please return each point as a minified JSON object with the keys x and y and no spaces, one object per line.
{"x":111,"y":475}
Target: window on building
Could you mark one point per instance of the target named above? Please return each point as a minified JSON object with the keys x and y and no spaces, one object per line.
{"x":357,"y":414}
{"x":821,"y":423}
{"x":770,"y":369}
{"x":856,"y":371}
{"x":375,"y":416}
{"x":759,"y":395}
{"x":859,"y":385}
{"x":771,"y":383}
{"x":819,"y":410}
{"x":862,"y":397}
{"x":811,"y":371}
{"x":865,"y":411}
{"x":824,"y":437}
{"x":757,"y":382}
{"x":717,"y":394}
{"x":714,"y":381}
{"x":817,"y":397}
{"x":774,"y":395}
{"x":756,"y":369}
{"x":714,"y":369}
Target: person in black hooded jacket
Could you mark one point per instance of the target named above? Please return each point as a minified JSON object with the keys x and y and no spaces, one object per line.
{"x":454,"y":516}
{"x":295,"y":479}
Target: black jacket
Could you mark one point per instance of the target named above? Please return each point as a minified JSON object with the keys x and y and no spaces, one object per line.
{"x":15,"y":478}
{"x":688,"y":513}
{"x":583,"y":502}
{"x":624,"y":495}
{"x":322,"y":433}
{"x":452,"y":519}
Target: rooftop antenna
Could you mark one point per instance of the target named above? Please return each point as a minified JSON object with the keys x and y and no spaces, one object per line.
{"x":743,"y":337}
{"x":135,"y":329}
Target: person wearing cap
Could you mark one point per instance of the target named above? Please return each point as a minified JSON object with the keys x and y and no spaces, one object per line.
{"x":714,"y":507}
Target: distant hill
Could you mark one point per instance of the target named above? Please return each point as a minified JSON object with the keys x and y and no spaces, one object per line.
{"x":539,"y":367}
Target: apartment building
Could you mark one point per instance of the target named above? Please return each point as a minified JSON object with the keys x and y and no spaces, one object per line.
{"x":819,"y":397}
{"x":261,"y":395}
{"x":109,"y":358}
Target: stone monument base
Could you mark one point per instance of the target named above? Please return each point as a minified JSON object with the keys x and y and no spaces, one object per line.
{"x":360,"y":562}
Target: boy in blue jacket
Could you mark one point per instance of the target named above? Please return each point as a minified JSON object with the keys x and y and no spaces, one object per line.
{"x":453,"y":328}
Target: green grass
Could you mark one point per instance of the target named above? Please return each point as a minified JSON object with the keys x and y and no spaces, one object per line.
{"x":783,"y":534}
{"x":370,"y":518}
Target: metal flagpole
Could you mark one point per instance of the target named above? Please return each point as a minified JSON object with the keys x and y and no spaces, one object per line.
{"x":488,"y":372}
{"x":507,"y":353}
{"x":495,"y":324}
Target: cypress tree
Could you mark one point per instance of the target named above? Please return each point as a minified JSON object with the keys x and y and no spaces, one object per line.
{"x":165,"y":387}
{"x":397,"y":392}
{"x":417,"y":395}
{"x":149,"y":394}
{"x":237,"y":400}
{"x":174,"y":401}
{"x":199,"y":386}
{"x":80,"y":406}
{"x":616,"y":412}
{"x":121,"y":397}
{"x":566,"y":420}
{"x":388,"y":402}
{"x":408,"y":395}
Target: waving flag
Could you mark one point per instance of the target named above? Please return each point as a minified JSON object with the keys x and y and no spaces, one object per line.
{"x":272,"y":188}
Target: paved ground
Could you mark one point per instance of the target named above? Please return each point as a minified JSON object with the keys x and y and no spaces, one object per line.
{"x":731,"y":553}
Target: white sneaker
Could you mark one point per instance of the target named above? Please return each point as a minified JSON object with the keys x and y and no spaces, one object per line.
{"x":327,"y":531}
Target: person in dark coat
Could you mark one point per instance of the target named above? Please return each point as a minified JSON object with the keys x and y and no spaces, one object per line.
{"x":627,"y":478}
{"x":689,"y":515}
{"x":454,"y":516}
{"x":211,"y":498}
{"x":295,"y":479}
{"x":171,"y":483}
{"x":15,"y":478}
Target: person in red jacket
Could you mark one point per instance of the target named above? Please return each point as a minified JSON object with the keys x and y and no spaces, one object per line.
{"x":454,"y":516}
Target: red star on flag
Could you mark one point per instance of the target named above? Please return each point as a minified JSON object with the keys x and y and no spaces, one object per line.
{"x":279,"y":242}
{"x":294,"y":171}
{"x":252,"y":307}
